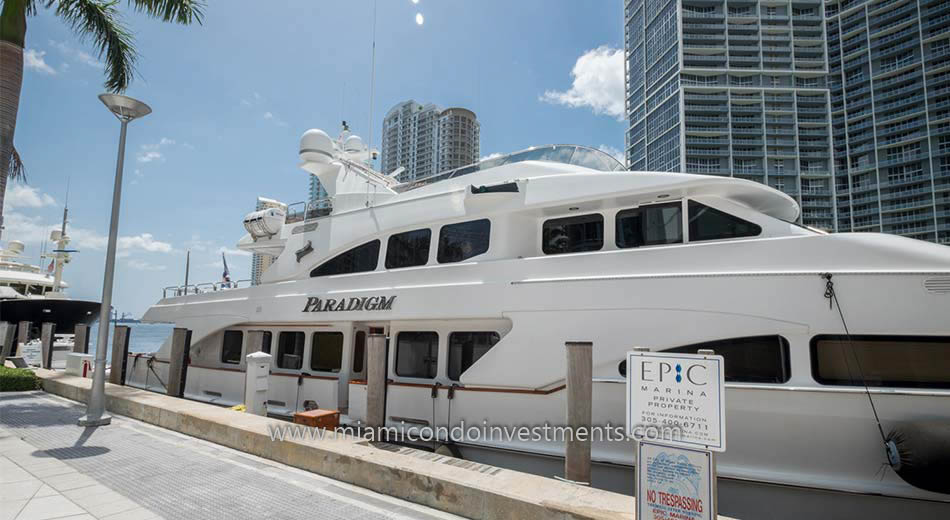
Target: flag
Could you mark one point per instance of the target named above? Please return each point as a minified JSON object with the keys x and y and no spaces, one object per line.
{"x":49,"y":268}
{"x":225,"y":276}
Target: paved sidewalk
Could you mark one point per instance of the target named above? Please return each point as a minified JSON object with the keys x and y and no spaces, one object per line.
{"x":52,"y":468}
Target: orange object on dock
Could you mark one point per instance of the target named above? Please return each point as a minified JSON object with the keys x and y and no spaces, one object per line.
{"x":318,"y":418}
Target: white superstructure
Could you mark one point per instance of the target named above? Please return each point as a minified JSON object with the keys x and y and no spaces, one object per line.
{"x":478,"y":276}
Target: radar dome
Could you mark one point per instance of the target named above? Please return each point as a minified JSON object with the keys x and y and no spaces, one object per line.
{"x":316,"y":146}
{"x":15,"y":247}
{"x":353,"y":144}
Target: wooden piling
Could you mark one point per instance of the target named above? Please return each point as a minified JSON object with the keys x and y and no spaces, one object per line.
{"x":23,"y":335}
{"x":579,"y":415}
{"x":8,"y":347}
{"x":178,"y":362}
{"x":47,"y":338}
{"x":81,"y":339}
{"x":120,"y":354}
{"x":376,"y":381}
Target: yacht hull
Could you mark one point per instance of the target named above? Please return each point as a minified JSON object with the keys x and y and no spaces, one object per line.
{"x":65,"y":313}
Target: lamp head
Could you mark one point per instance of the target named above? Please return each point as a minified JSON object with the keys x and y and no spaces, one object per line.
{"x":124,"y":107}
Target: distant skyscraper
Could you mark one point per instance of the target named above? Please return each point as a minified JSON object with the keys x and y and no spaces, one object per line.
{"x":260,"y":262}
{"x":890,"y":110}
{"x":769,"y":90}
{"x":425,"y":139}
{"x":733,"y":89}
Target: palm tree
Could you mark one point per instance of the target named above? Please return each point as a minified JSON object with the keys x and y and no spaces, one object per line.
{"x":98,"y":20}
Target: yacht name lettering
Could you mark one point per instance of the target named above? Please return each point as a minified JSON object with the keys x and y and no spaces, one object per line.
{"x":364,"y":303}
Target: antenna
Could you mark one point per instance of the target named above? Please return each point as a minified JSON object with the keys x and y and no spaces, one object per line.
{"x":372,"y":86}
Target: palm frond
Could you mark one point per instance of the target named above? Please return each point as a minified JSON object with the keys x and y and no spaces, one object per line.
{"x":17,"y":170}
{"x":178,"y":11}
{"x":100,"y":21}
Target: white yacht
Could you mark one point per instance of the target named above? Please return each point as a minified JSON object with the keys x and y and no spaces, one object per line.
{"x":36,"y":294}
{"x":478,"y":276}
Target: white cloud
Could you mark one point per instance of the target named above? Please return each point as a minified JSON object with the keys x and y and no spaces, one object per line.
{"x":598,"y":83}
{"x":33,"y":59}
{"x":142,"y":265}
{"x":233,"y":252}
{"x":77,"y":55}
{"x":271,"y":117}
{"x":489,"y":156}
{"x":152,"y":152}
{"x":145,"y":242}
{"x":613,"y":152}
{"x":149,"y":156}
{"x":23,"y":196}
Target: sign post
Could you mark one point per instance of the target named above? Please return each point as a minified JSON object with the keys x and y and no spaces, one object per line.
{"x":676,"y":414}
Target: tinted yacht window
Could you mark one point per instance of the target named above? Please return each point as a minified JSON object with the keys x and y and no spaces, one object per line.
{"x":707,"y":223}
{"x":408,"y":249}
{"x":231,"y":347}
{"x":458,"y":242}
{"x":357,"y":260}
{"x":417,"y":354}
{"x":326,"y":351}
{"x":650,"y":225}
{"x":573,"y":234}
{"x":759,"y":359}
{"x":465,"y":348}
{"x":290,"y":350}
{"x":897,"y":361}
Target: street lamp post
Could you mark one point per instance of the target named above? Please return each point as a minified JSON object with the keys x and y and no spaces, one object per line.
{"x":126,"y":110}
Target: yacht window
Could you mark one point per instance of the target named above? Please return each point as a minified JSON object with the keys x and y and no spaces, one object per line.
{"x":326,"y":351}
{"x":408,"y":249}
{"x":231,"y":347}
{"x":650,"y":225}
{"x":417,"y":354}
{"x":707,"y":223}
{"x":759,"y":359}
{"x":359,"y":352}
{"x":896,"y":361}
{"x":290,"y":350}
{"x":458,"y":242}
{"x":573,"y":234}
{"x":357,"y":260}
{"x":265,"y":341}
{"x":465,"y":348}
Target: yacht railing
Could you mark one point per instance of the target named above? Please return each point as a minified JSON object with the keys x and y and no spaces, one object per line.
{"x":203,"y":288}
{"x":304,"y":211}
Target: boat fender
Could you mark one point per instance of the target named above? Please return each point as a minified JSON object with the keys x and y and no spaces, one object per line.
{"x":919,"y":452}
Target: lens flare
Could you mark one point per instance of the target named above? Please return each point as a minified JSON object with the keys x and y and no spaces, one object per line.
{"x":419,"y":19}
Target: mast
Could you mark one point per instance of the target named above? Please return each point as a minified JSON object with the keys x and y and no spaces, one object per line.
{"x":60,"y":254}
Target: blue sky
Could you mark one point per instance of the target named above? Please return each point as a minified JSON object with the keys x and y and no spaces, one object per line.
{"x":232,"y":97}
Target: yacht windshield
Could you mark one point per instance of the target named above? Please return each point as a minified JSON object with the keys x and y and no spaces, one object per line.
{"x":560,"y":153}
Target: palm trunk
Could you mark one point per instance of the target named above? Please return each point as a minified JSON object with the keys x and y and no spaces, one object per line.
{"x":11,"y":81}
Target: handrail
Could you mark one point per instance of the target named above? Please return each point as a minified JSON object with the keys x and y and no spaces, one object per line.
{"x":173,"y":291}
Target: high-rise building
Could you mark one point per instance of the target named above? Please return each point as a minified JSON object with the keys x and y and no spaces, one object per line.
{"x":889,"y":79}
{"x":735,"y":89}
{"x":260,"y":262}
{"x":769,"y":90}
{"x":425,"y":139}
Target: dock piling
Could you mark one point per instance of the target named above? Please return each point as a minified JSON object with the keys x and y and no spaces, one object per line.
{"x":577,"y":465}
{"x":120,"y":354}
{"x":178,"y":362}
{"x":8,"y":348}
{"x":47,"y":338}
{"x":81,"y":339}
{"x":23,"y":335}
{"x":376,"y":381}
